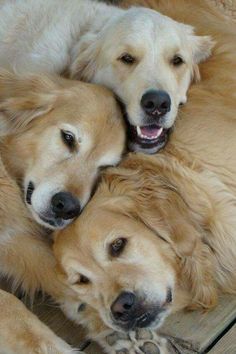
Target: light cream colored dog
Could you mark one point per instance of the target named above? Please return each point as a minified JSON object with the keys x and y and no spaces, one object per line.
{"x":57,"y":142}
{"x":159,"y":234}
{"x":146,"y":58}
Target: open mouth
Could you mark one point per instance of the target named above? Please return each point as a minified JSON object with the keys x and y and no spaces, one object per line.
{"x":148,"y":138}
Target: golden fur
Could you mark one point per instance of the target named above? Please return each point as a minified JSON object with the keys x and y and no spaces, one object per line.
{"x":48,"y":108}
{"x":32,"y":112}
{"x":176,"y":209}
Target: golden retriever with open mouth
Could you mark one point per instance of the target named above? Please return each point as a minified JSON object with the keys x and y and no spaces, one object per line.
{"x":53,"y":144}
{"x":64,"y":132}
{"x":147,"y":59}
{"x":159,"y":233}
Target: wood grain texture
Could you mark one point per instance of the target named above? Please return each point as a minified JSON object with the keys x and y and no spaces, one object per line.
{"x":198,"y":330}
{"x":188,"y":333}
{"x":227,"y":344}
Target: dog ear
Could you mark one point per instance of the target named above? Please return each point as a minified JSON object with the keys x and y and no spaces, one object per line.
{"x":23,"y":99}
{"x":84,"y":55}
{"x":202,"y":48}
{"x":170,"y":201}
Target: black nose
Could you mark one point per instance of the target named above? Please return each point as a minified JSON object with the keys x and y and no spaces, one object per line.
{"x":65,"y":205}
{"x":123,"y":305}
{"x":156,"y":103}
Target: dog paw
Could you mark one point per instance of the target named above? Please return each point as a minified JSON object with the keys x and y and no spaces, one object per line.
{"x":141,"y":341}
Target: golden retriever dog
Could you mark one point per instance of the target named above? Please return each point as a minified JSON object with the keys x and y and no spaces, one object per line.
{"x":53,"y":145}
{"x":146,"y":58}
{"x":66,"y":132}
{"x":159,"y":234}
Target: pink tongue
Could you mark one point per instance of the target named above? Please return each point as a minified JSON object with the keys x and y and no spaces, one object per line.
{"x":151,"y":132}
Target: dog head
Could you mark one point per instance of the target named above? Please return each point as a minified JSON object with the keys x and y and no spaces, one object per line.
{"x":149,"y":61}
{"x":58,"y":135}
{"x":136,"y":252}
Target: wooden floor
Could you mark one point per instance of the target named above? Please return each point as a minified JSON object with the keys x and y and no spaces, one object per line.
{"x":189,"y":333}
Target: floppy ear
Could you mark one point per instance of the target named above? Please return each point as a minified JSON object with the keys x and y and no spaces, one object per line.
{"x":170,"y":202}
{"x":23,"y":99}
{"x":83,"y":64}
{"x":200,"y":47}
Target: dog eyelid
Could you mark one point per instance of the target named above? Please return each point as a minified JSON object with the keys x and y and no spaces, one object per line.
{"x":68,"y":138}
{"x":83,"y":280}
{"x":127,"y":58}
{"x":177,"y":60}
{"x":117,"y":247}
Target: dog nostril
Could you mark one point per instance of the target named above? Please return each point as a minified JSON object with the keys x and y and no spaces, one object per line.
{"x":149,"y":105}
{"x":127,"y":306}
{"x":60,"y":205}
{"x":164,"y":105}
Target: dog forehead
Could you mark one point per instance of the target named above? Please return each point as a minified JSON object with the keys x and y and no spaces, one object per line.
{"x":143,"y":31}
{"x":141,"y":21}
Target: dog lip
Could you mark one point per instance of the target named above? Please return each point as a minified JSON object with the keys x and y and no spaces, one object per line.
{"x":146,"y":319}
{"x":52,"y":222}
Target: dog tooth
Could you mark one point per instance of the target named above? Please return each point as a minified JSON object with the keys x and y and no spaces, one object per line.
{"x":139,"y":130}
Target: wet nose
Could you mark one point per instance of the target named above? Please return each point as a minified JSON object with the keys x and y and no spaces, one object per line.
{"x":156,"y":103}
{"x":65,"y":205}
{"x":123,"y":305}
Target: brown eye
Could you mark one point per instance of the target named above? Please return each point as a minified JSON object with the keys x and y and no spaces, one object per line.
{"x":127,"y":59}
{"x":117,"y":247}
{"x":83,"y":280}
{"x":177,"y":60}
{"x":68,"y":138}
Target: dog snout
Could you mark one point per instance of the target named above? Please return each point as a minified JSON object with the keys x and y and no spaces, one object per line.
{"x":65,"y":205}
{"x":130,"y":311}
{"x":123,"y":305}
{"x":156,"y":103}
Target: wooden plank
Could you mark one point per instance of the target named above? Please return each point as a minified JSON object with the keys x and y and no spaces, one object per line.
{"x":193,"y":332}
{"x":227,"y":344}
{"x":189,"y":333}
{"x":52,"y":316}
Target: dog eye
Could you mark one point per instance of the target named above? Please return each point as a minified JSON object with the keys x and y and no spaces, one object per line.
{"x":117,"y":247}
{"x":127,"y":59}
{"x":177,"y":60}
{"x":83,"y":280}
{"x":68,"y":138}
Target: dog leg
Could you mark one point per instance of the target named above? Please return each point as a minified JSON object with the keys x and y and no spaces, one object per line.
{"x":22,"y":332}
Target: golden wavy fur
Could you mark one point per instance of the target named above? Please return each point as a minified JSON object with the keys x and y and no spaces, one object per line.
{"x":175,"y":210}
{"x":33,"y":110}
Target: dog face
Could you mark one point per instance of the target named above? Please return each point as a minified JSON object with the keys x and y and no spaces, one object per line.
{"x":148,"y":60}
{"x":63,"y":134}
{"x":118,"y":267}
{"x":138,"y":251}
